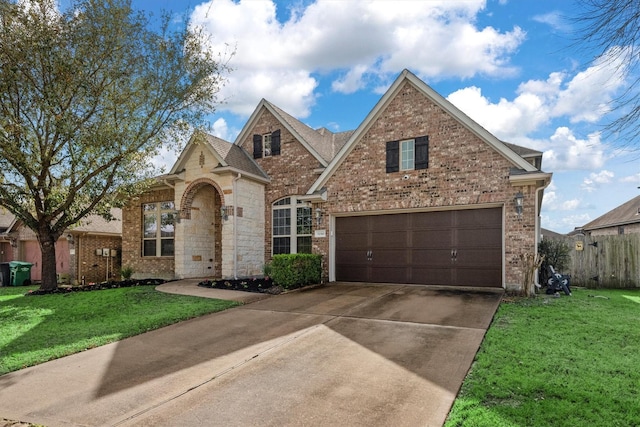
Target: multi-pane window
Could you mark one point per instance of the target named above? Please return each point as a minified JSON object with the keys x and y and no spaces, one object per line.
{"x":407,"y":155}
{"x":286,"y":237}
{"x":266,"y":145}
{"x":158,"y":229}
{"x":410,"y":154}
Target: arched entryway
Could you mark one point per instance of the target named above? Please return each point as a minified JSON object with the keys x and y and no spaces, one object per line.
{"x":199,"y":253}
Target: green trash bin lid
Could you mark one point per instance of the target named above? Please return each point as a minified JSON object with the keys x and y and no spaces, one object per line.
{"x":16,"y":264}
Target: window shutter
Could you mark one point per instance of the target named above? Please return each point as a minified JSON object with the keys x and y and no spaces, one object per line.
{"x":422,"y":152}
{"x":393,"y":156}
{"x":275,"y":143}
{"x":257,"y":146}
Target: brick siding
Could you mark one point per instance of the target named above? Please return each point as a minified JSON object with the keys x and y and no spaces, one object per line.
{"x":143,"y":267}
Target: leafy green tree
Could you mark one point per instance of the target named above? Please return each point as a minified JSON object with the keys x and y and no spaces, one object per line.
{"x":88,"y":96}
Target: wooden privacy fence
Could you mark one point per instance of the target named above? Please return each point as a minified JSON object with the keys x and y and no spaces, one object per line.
{"x":605,"y":261}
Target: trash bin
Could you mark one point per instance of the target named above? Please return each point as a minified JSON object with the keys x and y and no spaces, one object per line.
{"x":20,"y":272}
{"x":5,"y":274}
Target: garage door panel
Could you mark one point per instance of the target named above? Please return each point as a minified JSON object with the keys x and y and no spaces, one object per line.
{"x":433,"y":220}
{"x":478,"y":257}
{"x":479,"y":277}
{"x":437,"y":248}
{"x":478,"y":218}
{"x":389,"y":222}
{"x":431,"y":238}
{"x":430,"y":276}
{"x":478,"y":238}
{"x":389,"y":239}
{"x":352,"y":241}
{"x":388,"y":275}
{"x":430,"y":257}
{"x":353,"y":257}
{"x":389,"y":257}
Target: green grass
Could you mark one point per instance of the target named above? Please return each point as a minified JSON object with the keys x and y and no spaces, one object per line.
{"x":569,"y":361}
{"x":35,"y":329}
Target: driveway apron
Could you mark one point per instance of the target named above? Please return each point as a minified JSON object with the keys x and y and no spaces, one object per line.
{"x":342,"y":355}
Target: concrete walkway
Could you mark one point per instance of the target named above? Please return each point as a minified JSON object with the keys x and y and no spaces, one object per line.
{"x":339,"y":355}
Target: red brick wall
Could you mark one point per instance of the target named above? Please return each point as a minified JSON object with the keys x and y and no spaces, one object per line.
{"x":291,"y":172}
{"x":94,"y":267}
{"x":463,"y":171}
{"x":147,"y":267}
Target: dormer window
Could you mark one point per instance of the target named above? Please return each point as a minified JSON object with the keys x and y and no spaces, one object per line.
{"x":266,"y":145}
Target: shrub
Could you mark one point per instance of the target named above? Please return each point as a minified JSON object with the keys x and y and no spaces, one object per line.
{"x":126,"y":272}
{"x":556,"y":253}
{"x":295,"y":270}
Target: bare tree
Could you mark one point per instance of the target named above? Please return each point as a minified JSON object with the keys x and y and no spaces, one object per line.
{"x":87,"y":97}
{"x":612,"y":29}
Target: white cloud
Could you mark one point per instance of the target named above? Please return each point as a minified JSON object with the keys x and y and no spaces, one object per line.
{"x":594,"y":180}
{"x":554,"y":19}
{"x":351,"y":82}
{"x":366,"y":41}
{"x":588,"y":95}
{"x":505,"y":119}
{"x":634,"y":179}
{"x":571,"y":153}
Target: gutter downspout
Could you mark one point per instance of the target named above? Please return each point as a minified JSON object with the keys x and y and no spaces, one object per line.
{"x":235,"y":224}
{"x":538,"y":226}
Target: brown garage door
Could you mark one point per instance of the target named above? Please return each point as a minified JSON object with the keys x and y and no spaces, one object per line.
{"x":459,"y":248}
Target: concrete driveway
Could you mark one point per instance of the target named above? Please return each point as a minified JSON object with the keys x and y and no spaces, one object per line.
{"x":339,"y":355}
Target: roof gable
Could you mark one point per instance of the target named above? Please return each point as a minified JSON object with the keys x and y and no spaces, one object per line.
{"x":227,"y":154}
{"x":406,"y":76}
{"x":320,"y":143}
{"x":627,"y":213}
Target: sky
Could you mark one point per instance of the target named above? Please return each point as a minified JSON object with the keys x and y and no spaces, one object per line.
{"x":514,"y":66}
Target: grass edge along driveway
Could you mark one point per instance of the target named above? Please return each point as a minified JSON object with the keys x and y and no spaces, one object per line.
{"x":36,"y":329}
{"x":568,"y":361}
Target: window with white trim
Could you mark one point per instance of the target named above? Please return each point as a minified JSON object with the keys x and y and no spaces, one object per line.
{"x":291,"y":226}
{"x":158,"y":229}
{"x":407,"y":155}
{"x":266,"y":145}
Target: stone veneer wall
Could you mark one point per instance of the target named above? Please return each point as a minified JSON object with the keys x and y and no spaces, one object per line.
{"x":200,"y":198}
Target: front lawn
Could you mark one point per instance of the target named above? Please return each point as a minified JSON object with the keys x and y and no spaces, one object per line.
{"x":34,"y":329}
{"x":568,"y":361}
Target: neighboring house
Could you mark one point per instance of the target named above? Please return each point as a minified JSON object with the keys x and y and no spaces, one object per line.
{"x":607,"y":250}
{"x":7,"y":244}
{"x":418,"y":193}
{"x":625,"y":219}
{"x":77,"y":257}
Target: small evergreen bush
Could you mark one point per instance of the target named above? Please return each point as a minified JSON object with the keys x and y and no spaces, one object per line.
{"x":296,"y":270}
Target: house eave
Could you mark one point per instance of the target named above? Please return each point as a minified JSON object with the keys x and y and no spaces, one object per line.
{"x":316,"y":197}
{"x":225,"y":170}
{"x":539,"y":179}
{"x":612,"y":225}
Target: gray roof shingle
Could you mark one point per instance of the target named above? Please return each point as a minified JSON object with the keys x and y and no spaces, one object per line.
{"x":235,"y":156}
{"x":626,"y":213}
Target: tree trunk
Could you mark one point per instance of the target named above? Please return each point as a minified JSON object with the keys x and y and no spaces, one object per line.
{"x":48,"y":249}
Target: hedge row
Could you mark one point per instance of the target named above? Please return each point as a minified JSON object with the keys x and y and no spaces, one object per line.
{"x":295,"y":270}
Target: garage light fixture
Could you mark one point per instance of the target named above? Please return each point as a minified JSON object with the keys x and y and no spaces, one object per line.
{"x":518,"y":200}
{"x":318,"y":216}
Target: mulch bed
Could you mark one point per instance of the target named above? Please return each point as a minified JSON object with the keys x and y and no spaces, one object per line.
{"x":64,"y":289}
{"x":258,"y":285}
